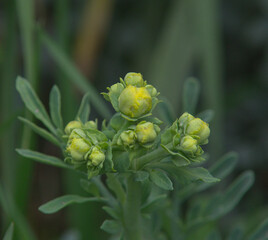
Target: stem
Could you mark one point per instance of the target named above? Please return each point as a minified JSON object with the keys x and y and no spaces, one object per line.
{"x":132,"y":216}
{"x":153,"y":156}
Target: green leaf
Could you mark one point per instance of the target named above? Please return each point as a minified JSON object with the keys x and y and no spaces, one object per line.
{"x":9,"y":233}
{"x":116,"y":186}
{"x":225,"y":202}
{"x":261,"y":233}
{"x":64,"y":201}
{"x":236,"y":234}
{"x":108,"y":163}
{"x":72,"y":74}
{"x":153,"y":204}
{"x":40,"y":157}
{"x":111,"y":211}
{"x":84,"y":109}
{"x":33,"y":103}
{"x":55,"y":107}
{"x":141,"y":176}
{"x":160,"y":179}
{"x":206,"y":115}
{"x":111,"y":226}
{"x":41,"y":131}
{"x":90,"y":187}
{"x":191,"y":90}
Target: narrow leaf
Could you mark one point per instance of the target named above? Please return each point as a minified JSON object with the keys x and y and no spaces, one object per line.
{"x":84,"y":109}
{"x":63,"y":201}
{"x":141,"y":176}
{"x":261,"y":233}
{"x":161,"y":180}
{"x":190,"y":95}
{"x":111,"y":226}
{"x":111,"y":211}
{"x":40,"y":157}
{"x":9,"y":233}
{"x":153,"y":204}
{"x":33,"y":103}
{"x":74,"y":75}
{"x":90,"y":187}
{"x":41,"y":131}
{"x":206,"y":115}
{"x":55,"y":107}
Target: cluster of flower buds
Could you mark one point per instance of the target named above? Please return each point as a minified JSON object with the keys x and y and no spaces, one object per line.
{"x":143,"y":134}
{"x":186,"y":135}
{"x":86,"y":146}
{"x":132,"y":97}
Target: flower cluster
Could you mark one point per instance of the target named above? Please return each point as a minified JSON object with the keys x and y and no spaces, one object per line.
{"x":132,"y":97}
{"x":185,"y":137}
{"x":86,"y":146}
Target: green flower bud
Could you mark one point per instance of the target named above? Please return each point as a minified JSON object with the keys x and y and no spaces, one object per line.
{"x":188,"y":144}
{"x":96,"y":157}
{"x":91,"y":124}
{"x":72,"y":125}
{"x":198,"y":128}
{"x":116,"y":88}
{"x":135,"y":102}
{"x":78,"y":149}
{"x":152,"y":90}
{"x":146,"y":132}
{"x":127,"y":138}
{"x":185,"y":118}
{"x":134,"y":79}
{"x":77,"y":133}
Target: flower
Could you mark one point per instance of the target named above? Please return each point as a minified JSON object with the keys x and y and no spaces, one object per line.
{"x":78,"y":148}
{"x":188,"y":144}
{"x":135,"y":102}
{"x":200,"y":129}
{"x":96,"y":157}
{"x":146,"y":132}
{"x":134,"y":79}
{"x":72,"y":125}
{"x":127,"y":138}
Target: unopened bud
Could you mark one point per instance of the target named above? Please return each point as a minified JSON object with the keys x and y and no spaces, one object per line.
{"x":135,"y":102}
{"x":134,"y":79}
{"x":91,"y":124}
{"x":184,"y":119}
{"x":78,"y":149}
{"x":127,"y":138}
{"x":96,"y":157}
{"x":146,"y":132}
{"x":198,"y":128}
{"x":72,"y":125}
{"x":188,"y":144}
{"x":152,"y":90}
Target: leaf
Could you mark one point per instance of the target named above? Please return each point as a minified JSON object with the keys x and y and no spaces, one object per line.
{"x":191,"y":90}
{"x":108,"y":163}
{"x":153,"y":204}
{"x":72,"y":74}
{"x":84,"y":109}
{"x":90,"y":187}
{"x":40,"y":157}
{"x":161,"y":180}
{"x":116,"y":186}
{"x":9,"y":233}
{"x":236,"y":234}
{"x":33,"y":103}
{"x":141,"y":176}
{"x":111,"y":226}
{"x":64,"y":201}
{"x":206,"y":115}
{"x":261,"y":233}
{"x":55,"y":107}
{"x":111,"y":211}
{"x":41,"y":131}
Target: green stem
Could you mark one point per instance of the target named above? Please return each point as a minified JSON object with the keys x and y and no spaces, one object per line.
{"x":132,"y":216}
{"x":153,"y":156}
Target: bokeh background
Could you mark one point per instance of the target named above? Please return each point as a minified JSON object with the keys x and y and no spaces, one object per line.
{"x":222,"y":43}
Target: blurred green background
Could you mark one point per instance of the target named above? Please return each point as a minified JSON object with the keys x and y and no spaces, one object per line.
{"x":222,"y":43}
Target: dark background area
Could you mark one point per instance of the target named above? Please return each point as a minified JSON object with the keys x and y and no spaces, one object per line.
{"x":222,"y":43}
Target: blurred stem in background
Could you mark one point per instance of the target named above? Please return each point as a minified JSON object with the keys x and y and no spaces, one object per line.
{"x":25,"y":10}
{"x":8,"y":63}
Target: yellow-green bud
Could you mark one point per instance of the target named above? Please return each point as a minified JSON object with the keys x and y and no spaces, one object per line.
{"x":152,"y":90}
{"x":188,"y":144}
{"x":127,"y":138}
{"x":146,"y":132}
{"x":91,"y":124}
{"x":117,"y":87}
{"x":72,"y":125}
{"x":185,"y":118}
{"x":199,"y":128}
{"x":77,"y":133}
{"x":78,"y":149}
{"x":135,"y":102}
{"x":96,"y":157}
{"x":134,"y":79}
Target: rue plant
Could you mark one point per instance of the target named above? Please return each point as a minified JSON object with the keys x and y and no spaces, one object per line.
{"x":142,"y":169}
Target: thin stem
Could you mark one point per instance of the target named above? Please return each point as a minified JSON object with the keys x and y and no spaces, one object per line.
{"x":132,"y":216}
